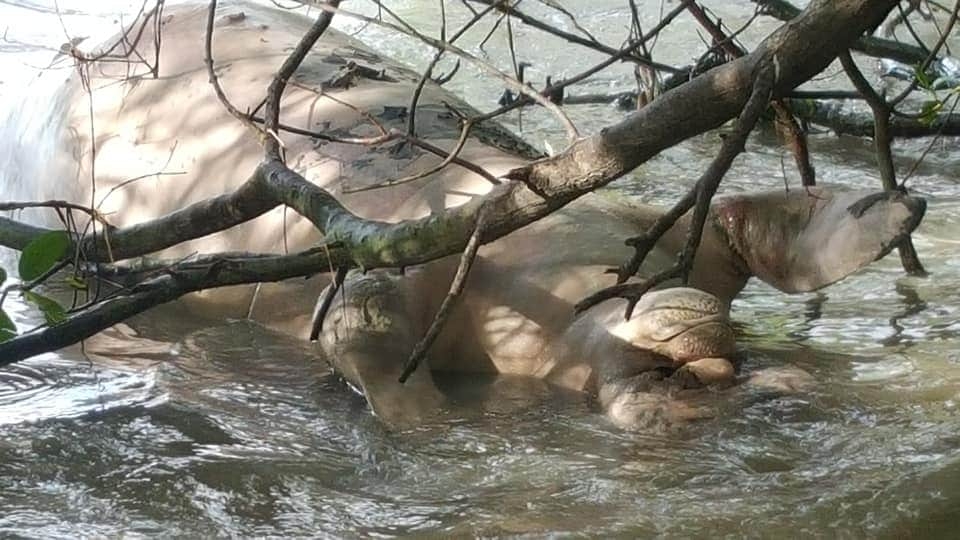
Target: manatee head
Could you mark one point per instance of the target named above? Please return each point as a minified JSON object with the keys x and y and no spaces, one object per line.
{"x":680,"y":323}
{"x":806,"y":239}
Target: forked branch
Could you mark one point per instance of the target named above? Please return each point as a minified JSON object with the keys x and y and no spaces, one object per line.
{"x":701,"y":195}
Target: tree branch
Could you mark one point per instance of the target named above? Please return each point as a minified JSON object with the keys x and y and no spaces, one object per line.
{"x":702,"y":193}
{"x":869,"y":45}
{"x":180,"y":279}
{"x":881,"y":142}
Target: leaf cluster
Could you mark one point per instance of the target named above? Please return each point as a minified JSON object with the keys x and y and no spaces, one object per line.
{"x":38,"y":259}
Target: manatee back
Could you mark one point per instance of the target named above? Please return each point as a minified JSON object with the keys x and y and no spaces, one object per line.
{"x":162,"y":143}
{"x":174,"y":137}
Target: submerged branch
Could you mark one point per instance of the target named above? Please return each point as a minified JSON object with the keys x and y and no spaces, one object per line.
{"x":844,"y":121}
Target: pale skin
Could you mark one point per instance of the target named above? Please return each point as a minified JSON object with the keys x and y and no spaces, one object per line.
{"x":516,"y":316}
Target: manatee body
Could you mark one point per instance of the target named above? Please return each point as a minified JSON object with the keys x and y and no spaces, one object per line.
{"x":516,"y":315}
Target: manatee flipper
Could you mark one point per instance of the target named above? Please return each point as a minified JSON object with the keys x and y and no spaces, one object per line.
{"x":645,"y":403}
{"x":368,"y":334}
{"x":803,"y":240}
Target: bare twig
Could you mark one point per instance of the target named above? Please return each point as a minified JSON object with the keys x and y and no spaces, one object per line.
{"x":320,"y":313}
{"x":456,"y":288}
{"x":428,"y":71}
{"x":20,"y":205}
{"x":215,"y":81}
{"x":569,"y":127}
{"x":451,"y":156}
{"x":272,"y":144}
{"x":618,"y":55}
{"x":572,"y":38}
{"x":881,"y":141}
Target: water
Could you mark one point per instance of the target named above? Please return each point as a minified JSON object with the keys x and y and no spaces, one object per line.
{"x":181,"y":427}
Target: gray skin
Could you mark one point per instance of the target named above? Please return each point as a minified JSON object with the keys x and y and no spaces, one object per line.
{"x":516,"y":316}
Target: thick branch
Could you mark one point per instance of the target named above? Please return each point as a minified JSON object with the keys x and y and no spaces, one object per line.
{"x":804,"y":47}
{"x":869,"y":45}
{"x":176,"y":281}
{"x":16,"y":235}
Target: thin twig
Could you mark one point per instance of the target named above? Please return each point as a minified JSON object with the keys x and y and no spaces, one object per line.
{"x":456,"y":288}
{"x":451,"y":156}
{"x":572,"y":131}
{"x":320,"y":313}
{"x":881,"y":142}
{"x":415,"y":98}
{"x":215,"y":81}
{"x":573,"y":38}
{"x":272,"y":145}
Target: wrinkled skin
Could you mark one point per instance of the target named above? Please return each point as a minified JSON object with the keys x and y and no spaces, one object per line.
{"x":516,"y":315}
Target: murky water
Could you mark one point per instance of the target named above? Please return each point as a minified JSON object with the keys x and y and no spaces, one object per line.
{"x":226,"y":429}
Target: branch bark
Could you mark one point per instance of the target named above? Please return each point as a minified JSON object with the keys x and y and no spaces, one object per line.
{"x":881,"y":141}
{"x":869,"y":45}
{"x":176,"y":281}
{"x":834,"y":115}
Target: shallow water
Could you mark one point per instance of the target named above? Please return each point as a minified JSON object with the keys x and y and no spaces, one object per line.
{"x":226,"y":429}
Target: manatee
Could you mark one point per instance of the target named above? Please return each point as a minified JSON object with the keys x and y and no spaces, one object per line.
{"x":173,"y":136}
{"x":516,"y":314}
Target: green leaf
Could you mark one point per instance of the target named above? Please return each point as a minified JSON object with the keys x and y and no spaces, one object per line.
{"x":8,"y":330}
{"x":3,"y":276}
{"x":929,"y":111}
{"x":52,"y":311}
{"x":42,"y":254}
{"x":76,"y":283}
{"x":923,"y":79}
